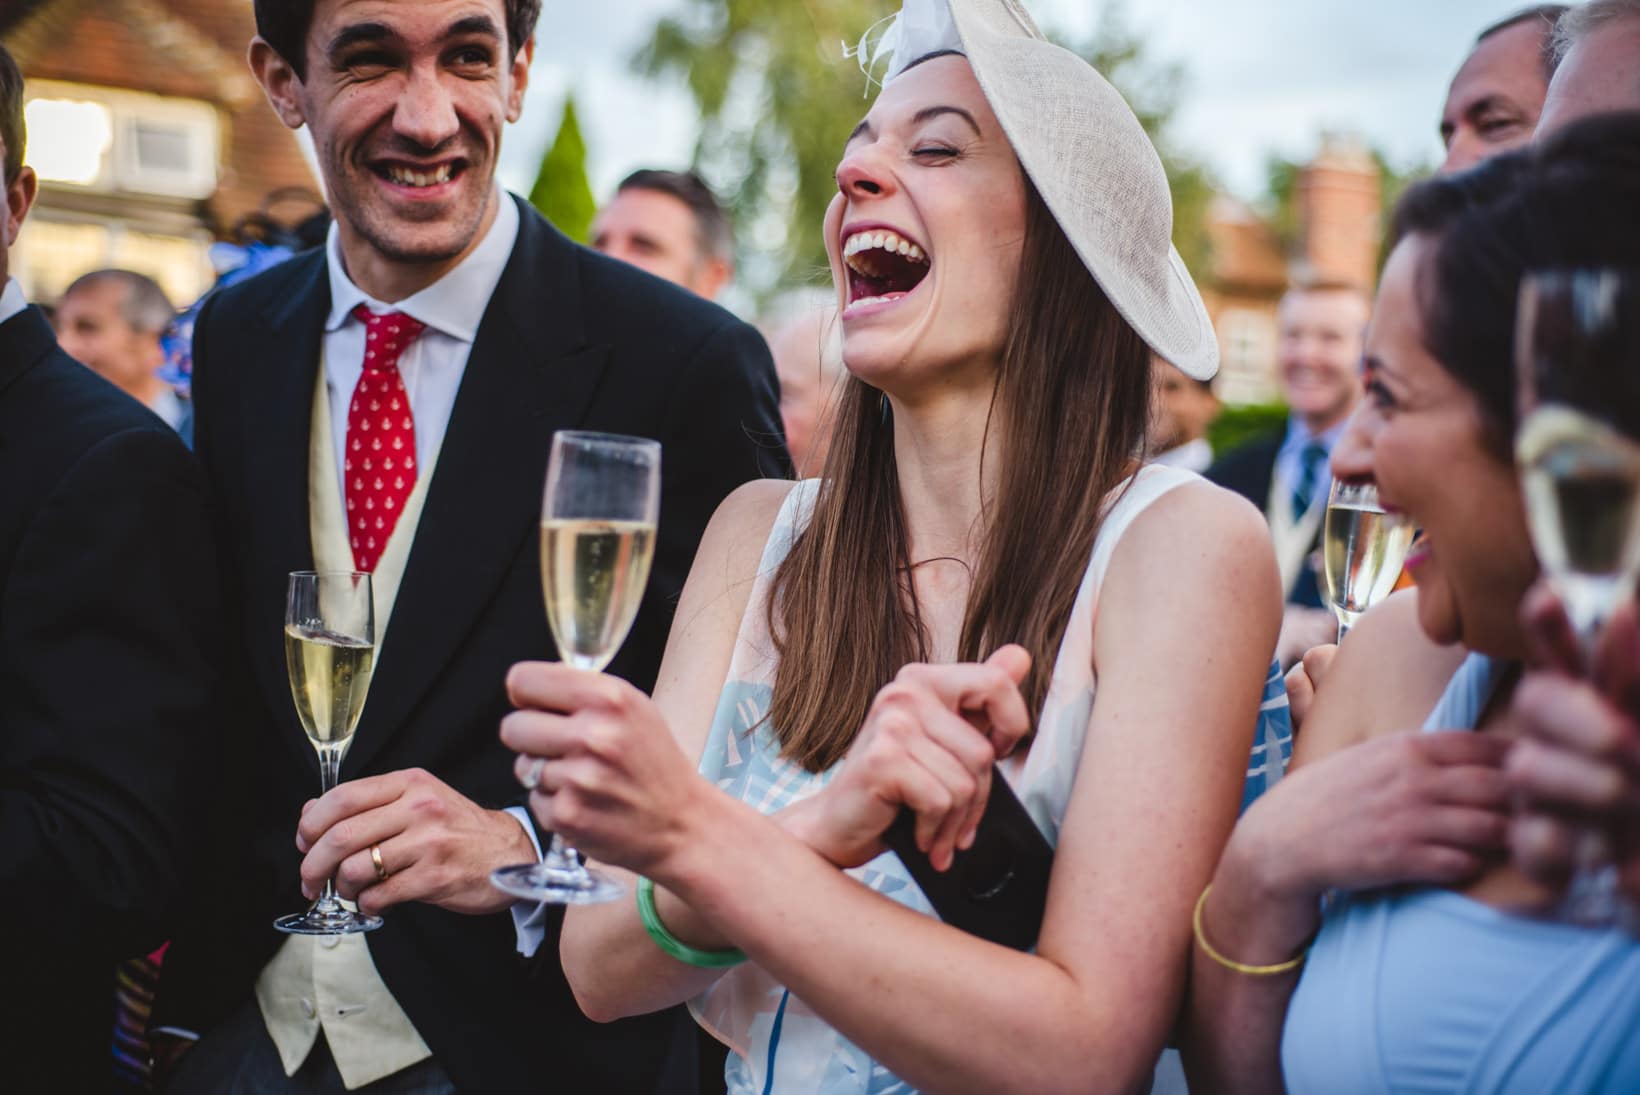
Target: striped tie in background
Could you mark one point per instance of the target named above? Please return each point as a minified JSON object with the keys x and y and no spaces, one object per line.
{"x":135,"y":980}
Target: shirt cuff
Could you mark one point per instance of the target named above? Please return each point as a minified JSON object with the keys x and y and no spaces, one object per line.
{"x":529,"y":921}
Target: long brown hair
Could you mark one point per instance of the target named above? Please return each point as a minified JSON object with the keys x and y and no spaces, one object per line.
{"x":1071,"y":400}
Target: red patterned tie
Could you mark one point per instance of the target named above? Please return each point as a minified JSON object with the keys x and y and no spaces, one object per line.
{"x":381,"y":437}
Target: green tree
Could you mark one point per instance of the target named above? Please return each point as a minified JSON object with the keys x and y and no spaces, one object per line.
{"x":561,"y":192}
{"x":777,"y":99}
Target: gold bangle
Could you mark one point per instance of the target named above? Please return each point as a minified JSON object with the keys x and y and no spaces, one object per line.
{"x":1232,"y":964}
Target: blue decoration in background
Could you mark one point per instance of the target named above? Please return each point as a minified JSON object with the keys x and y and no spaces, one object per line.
{"x":233,"y":263}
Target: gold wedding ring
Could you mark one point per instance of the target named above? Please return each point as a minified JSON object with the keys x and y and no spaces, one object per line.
{"x":376,"y":858}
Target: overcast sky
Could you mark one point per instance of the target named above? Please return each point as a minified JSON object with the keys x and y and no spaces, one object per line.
{"x":1264,"y":76}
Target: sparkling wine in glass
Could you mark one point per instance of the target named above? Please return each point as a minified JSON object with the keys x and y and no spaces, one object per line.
{"x":330,"y":649}
{"x":1363,"y":548}
{"x":1577,"y":358}
{"x":598,"y":517}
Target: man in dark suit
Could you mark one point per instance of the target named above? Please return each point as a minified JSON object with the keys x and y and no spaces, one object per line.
{"x":107,"y":617}
{"x":440,"y":299}
{"x":1322,"y":327}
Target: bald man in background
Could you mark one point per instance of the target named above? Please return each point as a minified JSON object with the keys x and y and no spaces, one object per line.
{"x":113,"y":321}
{"x":808,"y":357}
{"x":1597,"y":46}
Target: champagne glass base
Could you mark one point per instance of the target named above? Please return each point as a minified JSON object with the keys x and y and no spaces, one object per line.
{"x":556,"y":885}
{"x":316,"y":922}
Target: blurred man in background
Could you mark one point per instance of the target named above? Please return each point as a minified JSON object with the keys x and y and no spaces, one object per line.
{"x":1181,"y":411}
{"x":1597,"y":46}
{"x":107,"y":638}
{"x":1322,"y":326}
{"x":1496,"y":97}
{"x":113,"y":321}
{"x":808,"y":357}
{"x":670,"y":224}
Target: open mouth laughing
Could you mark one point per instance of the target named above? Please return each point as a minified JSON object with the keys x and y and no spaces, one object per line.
{"x":882,"y":266}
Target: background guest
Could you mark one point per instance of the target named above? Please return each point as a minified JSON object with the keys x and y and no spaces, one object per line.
{"x":108,"y":632}
{"x":1497,"y":95}
{"x":670,"y":224}
{"x":1598,"y":48}
{"x":1286,"y":474}
{"x":114,"y":321}
{"x":808,"y":357}
{"x":1182,"y":409}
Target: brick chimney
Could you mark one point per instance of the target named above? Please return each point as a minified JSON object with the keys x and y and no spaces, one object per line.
{"x":1339,"y":211}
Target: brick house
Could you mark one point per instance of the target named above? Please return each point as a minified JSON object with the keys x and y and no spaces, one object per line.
{"x":150,"y":136}
{"x":1339,"y":231}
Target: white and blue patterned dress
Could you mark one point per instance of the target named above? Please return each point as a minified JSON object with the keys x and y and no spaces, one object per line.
{"x":779,"y":1045}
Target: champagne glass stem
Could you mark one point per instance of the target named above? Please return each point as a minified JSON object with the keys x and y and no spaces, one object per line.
{"x":560,"y":856}
{"x":330,"y":771}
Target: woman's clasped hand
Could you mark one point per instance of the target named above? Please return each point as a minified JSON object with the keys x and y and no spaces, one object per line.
{"x":616,"y":785}
{"x":1404,"y":808}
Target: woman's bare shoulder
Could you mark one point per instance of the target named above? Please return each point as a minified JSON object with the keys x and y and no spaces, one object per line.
{"x":1200,"y":517}
{"x":1385,"y":679}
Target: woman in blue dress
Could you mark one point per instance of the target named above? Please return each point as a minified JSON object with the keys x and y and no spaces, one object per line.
{"x":985,"y":584}
{"x":1436,"y":965}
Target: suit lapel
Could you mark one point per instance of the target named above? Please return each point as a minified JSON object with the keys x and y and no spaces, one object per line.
{"x":278,"y":374}
{"x":529,"y":374}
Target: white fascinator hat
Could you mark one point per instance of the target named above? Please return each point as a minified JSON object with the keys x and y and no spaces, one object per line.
{"x":1085,"y":152}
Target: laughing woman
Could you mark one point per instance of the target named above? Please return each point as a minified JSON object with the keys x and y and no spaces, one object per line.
{"x":983,"y":550}
{"x":1435,"y":966}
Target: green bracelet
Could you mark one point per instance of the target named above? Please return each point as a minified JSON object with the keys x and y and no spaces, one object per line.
{"x":671,"y":944}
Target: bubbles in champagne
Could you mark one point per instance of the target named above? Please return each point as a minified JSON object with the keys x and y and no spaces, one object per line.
{"x":1581,"y":481}
{"x":329,"y":678}
{"x":1363,"y":550}
{"x":593,"y":574}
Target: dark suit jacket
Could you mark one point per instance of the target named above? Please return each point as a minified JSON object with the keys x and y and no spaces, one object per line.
{"x":107,"y":613}
{"x":1248,"y":469}
{"x":570,"y":339}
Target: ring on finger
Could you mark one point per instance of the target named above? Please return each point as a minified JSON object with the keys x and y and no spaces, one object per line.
{"x":376,"y":861}
{"x":532,"y":775}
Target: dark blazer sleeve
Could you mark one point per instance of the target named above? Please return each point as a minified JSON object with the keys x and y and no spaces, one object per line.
{"x":721,"y":429}
{"x":107,"y":625}
{"x":1248,"y":469}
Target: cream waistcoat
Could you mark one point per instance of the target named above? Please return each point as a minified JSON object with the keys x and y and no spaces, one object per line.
{"x":1292,"y":538}
{"x":331,"y":983}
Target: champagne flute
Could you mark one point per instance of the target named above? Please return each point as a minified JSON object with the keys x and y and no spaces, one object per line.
{"x":1363,"y":548}
{"x":598,"y":516}
{"x":1577,"y":355}
{"x":330,"y":649}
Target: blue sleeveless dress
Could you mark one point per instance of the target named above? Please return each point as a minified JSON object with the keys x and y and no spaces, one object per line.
{"x":1425,"y":990}
{"x":779,"y":1045}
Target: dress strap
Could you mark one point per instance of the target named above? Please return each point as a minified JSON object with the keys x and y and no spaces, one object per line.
{"x":1466,"y":695}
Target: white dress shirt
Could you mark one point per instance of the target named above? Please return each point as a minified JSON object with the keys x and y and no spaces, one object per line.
{"x":432,"y":365}
{"x":169,"y":406}
{"x":1289,"y":458}
{"x":12,"y":300}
